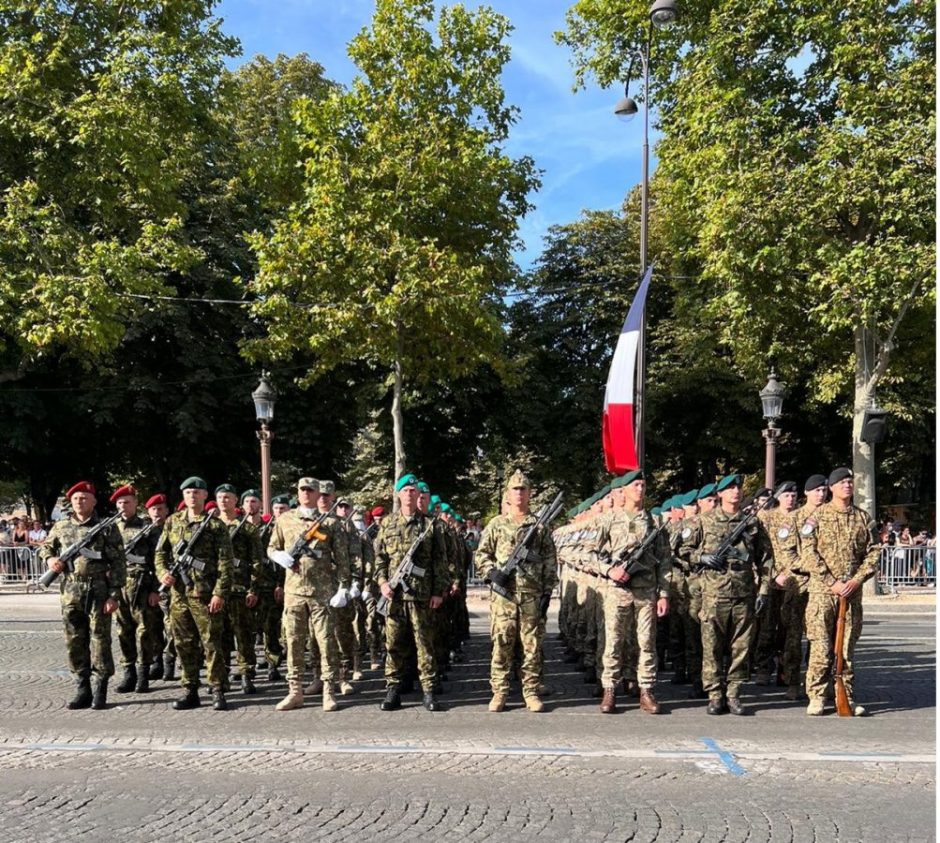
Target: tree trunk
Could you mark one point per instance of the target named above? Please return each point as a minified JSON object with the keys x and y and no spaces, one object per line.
{"x":397,"y":418}
{"x":863,"y":454}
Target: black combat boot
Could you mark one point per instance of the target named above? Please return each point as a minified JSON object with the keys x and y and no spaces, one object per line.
{"x":681,"y":677}
{"x":219,"y":703}
{"x":82,"y":698}
{"x":156,"y":669}
{"x":129,"y":680}
{"x":392,"y":701}
{"x":274,"y":675}
{"x":100,"y":700}
{"x":169,"y":665}
{"x":143,"y":679}
{"x":248,"y":687}
{"x":189,"y":700}
{"x":407,"y":685}
{"x":430,"y":701}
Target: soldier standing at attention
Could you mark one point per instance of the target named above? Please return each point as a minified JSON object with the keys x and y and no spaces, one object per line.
{"x":634,"y":601}
{"x":839,"y":549}
{"x":728,"y":605}
{"x":531,"y":587}
{"x":409,"y":621}
{"x":139,"y":615}
{"x":89,"y":596}
{"x":196,"y":609}
{"x":164,"y":648}
{"x":246,"y":575}
{"x":310,"y":583}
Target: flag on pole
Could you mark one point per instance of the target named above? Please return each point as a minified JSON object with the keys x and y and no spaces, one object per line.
{"x":620,"y":434}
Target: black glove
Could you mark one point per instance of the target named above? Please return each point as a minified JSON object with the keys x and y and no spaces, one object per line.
{"x":709,"y":560}
{"x":544,"y":602}
{"x":497,"y":577}
{"x":759,"y":604}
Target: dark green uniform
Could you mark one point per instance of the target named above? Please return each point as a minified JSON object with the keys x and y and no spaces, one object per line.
{"x":139,"y":624}
{"x":246,"y":574}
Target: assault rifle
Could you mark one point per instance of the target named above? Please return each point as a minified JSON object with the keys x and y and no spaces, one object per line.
{"x":68,"y":556}
{"x":522,"y":553}
{"x":314,"y":534}
{"x":405,"y":569}
{"x":185,"y":560}
{"x":630,"y":559}
{"x":129,"y":548}
{"x":718,"y":561}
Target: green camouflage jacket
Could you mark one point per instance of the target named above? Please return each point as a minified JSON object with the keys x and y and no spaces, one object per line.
{"x":140,"y":559}
{"x":395,"y":537}
{"x":104,"y":557}
{"x":324,"y":565}
{"x":753,"y":567}
{"x":214,"y":550}
{"x":500,"y":537}
{"x":247,"y":566}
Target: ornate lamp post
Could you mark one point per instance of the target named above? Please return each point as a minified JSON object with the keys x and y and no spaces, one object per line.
{"x":264,"y":397}
{"x":663,"y":14}
{"x":771,"y":399}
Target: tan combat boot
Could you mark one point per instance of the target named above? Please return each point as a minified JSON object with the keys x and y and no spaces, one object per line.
{"x":329,"y":701}
{"x":533,"y":703}
{"x":815,"y":707}
{"x":357,"y":668}
{"x":294,"y":698}
{"x":498,"y":703}
{"x":314,"y":688}
{"x":345,"y":686}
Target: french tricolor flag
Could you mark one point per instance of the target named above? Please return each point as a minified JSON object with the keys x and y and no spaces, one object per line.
{"x":620,"y":410}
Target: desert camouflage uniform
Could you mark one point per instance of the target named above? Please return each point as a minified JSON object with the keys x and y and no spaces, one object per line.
{"x":772,"y":624}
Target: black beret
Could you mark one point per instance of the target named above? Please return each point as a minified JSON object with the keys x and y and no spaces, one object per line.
{"x":839,"y":475}
{"x":762,"y":492}
{"x":814,"y":482}
{"x":786,"y":486}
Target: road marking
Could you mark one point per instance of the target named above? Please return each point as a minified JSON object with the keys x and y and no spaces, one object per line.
{"x":727,"y":757}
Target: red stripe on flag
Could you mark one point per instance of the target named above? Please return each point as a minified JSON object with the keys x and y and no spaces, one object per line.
{"x":619,"y":439}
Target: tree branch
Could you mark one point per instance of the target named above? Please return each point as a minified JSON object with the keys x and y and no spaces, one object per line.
{"x":887,"y":347}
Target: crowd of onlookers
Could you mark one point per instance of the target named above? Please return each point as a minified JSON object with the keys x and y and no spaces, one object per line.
{"x":901,"y":537}
{"x":20,"y":534}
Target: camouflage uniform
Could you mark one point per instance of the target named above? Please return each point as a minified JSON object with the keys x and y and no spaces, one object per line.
{"x":268,"y":611}
{"x":630,"y":610}
{"x":727,"y":613}
{"x":835,"y":544}
{"x":442,"y":619}
{"x":772,"y":630}
{"x":324,"y":567}
{"x":409,"y":622}
{"x":793,"y":608}
{"x":520,"y":616}
{"x":138,"y":624}
{"x":99,"y":571}
{"x":190,"y":619}
{"x":246,"y":574}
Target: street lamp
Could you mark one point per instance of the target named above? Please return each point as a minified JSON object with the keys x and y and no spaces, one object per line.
{"x":771,"y":399}
{"x":663,"y":13}
{"x":264,"y":397}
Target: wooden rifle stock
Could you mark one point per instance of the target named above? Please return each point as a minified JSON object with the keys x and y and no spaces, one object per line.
{"x":842,"y":698}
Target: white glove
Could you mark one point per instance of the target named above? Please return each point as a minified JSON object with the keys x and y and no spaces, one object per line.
{"x":355,"y":592}
{"x":282,"y":557}
{"x":340,"y":599}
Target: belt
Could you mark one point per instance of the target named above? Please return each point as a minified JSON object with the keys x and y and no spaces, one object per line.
{"x":87,"y":577}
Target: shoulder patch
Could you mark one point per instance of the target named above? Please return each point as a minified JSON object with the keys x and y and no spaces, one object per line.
{"x":808,"y":527}
{"x":686,"y":532}
{"x":783,"y":533}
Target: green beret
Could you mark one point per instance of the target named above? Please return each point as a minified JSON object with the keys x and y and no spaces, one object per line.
{"x":656,"y":511}
{"x":249,"y":493}
{"x":605,"y":490}
{"x":193,"y":483}
{"x":728,"y":482}
{"x":572,"y":512}
{"x":628,"y":478}
{"x":424,"y":487}
{"x":706,"y":491}
{"x":434,"y":502}
{"x":406,"y":480}
{"x":282,"y":499}
{"x":676,"y":502}
{"x":226,"y":487}
{"x":690,"y":497}
{"x":292,"y":502}
{"x":445,"y":507}
{"x":459,"y":518}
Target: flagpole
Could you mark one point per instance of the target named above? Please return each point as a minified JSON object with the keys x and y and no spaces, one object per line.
{"x":644,"y":223}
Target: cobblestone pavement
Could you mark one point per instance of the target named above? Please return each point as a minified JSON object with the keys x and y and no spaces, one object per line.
{"x":140,"y":771}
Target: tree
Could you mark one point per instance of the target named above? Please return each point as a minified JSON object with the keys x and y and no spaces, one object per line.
{"x":105,"y":113}
{"x":801,"y":202}
{"x":397,"y":251}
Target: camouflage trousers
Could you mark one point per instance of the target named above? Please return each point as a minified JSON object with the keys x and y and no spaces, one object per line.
{"x":409,"y":626}
{"x":268,"y":622}
{"x":193,"y":626}
{"x":792,"y":616}
{"x":169,"y":645}
{"x":685,"y":629}
{"x":374,"y":636}
{"x":726,"y":631}
{"x":344,"y":628}
{"x":629,"y":616}
{"x":769,"y":632}
{"x":822,"y":612}
{"x":87,"y":628}
{"x":510,"y":621}
{"x":586,"y":635}
{"x":601,"y":586}
{"x":240,"y":634}
{"x":139,"y":626}
{"x":565,"y":587}
{"x":307,"y":618}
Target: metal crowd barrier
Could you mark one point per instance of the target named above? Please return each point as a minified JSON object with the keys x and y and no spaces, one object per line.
{"x":906,"y":567}
{"x":20,"y":566}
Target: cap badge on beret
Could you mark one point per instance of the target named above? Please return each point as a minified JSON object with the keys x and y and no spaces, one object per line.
{"x":406,"y":480}
{"x":194,"y":482}
{"x":82,"y":486}
{"x":155,"y":500}
{"x":226,"y":487}
{"x":123,"y":491}
{"x":839,"y":475}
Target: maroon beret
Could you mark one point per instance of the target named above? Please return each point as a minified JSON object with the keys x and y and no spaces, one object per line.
{"x":122,"y":491}
{"x":82,"y":486}
{"x":156,"y":500}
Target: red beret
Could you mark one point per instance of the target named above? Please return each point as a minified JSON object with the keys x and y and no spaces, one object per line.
{"x":210,"y":506}
{"x":81,"y":486}
{"x":122,"y":491}
{"x":156,"y":500}
{"x":266,"y":517}
{"x":378,"y":512}
{"x":181,"y":506}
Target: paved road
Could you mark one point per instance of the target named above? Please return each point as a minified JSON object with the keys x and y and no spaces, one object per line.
{"x":143,"y":771}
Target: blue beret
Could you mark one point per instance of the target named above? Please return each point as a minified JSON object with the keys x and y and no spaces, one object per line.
{"x":727,"y":482}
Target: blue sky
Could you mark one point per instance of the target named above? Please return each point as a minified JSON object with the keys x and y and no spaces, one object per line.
{"x":589,"y":158}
